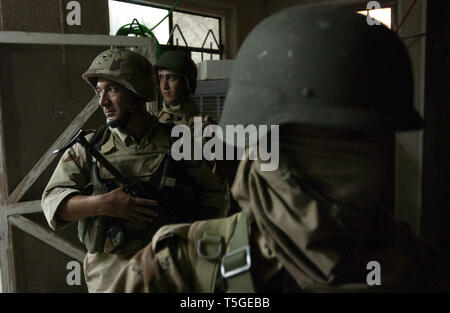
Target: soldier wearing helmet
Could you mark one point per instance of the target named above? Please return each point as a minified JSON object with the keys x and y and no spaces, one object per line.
{"x":112,"y":224}
{"x":339,"y":89}
{"x":177,"y":78}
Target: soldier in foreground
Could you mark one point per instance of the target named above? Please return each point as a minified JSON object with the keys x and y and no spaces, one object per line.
{"x":112,"y":223}
{"x":339,"y":89}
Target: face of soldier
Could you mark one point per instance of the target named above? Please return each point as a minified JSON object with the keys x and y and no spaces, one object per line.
{"x":114,"y":99}
{"x":172,"y":85}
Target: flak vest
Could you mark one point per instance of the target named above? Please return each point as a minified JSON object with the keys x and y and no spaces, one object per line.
{"x":108,"y":234}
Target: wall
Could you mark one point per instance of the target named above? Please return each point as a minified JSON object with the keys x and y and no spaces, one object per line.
{"x":41,"y":92}
{"x":410,"y":144}
{"x":250,"y":13}
{"x":277,"y":5}
{"x":435,"y":222}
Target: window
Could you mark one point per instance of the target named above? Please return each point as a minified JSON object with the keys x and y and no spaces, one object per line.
{"x":121,"y":13}
{"x":383,"y":15}
{"x":200,"y":34}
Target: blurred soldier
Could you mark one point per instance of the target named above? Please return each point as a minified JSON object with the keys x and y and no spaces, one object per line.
{"x":177,"y":77}
{"x":339,"y":89}
{"x":114,"y":225}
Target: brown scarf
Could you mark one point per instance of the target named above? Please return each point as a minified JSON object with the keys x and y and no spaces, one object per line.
{"x":323,"y":238}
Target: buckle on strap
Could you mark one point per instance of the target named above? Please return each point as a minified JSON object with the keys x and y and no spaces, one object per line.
{"x":211,"y":239}
{"x":226,"y":273}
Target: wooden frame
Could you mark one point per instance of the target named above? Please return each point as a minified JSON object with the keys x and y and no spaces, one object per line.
{"x":11,"y":210}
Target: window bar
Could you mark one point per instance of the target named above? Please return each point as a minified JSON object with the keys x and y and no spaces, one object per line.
{"x":214,"y":37}
{"x":210,"y":46}
{"x":210,"y":43}
{"x":171,"y":28}
{"x":181,"y":33}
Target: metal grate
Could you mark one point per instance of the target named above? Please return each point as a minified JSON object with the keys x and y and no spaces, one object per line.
{"x":210,"y":105}
{"x":210,"y":97}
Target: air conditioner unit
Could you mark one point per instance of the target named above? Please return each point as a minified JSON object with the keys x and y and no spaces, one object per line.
{"x":212,"y":87}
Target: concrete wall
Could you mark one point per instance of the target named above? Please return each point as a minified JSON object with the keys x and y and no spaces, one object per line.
{"x":42,"y":92}
{"x":435,"y":221}
{"x":410,"y":144}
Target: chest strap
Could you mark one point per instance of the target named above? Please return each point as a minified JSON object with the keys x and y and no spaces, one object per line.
{"x":236,"y":264}
{"x":211,"y":239}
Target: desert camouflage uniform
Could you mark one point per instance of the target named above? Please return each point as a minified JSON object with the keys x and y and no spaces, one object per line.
{"x":140,"y":160}
{"x":178,"y":114}
{"x":321,"y":216}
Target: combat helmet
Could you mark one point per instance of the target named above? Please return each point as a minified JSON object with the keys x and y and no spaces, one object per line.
{"x":126,"y":67}
{"x":182,"y":64}
{"x":324,"y":66}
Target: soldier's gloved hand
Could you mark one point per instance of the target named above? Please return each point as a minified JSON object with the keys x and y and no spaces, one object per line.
{"x":118,"y":203}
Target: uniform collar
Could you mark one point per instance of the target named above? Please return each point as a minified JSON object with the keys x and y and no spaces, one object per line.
{"x":128,"y":140}
{"x":185,"y":106}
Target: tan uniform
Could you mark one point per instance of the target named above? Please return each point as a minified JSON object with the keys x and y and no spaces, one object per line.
{"x":171,"y":264}
{"x":178,"y":114}
{"x":322,"y":248}
{"x":181,"y":114}
{"x":138,"y":160}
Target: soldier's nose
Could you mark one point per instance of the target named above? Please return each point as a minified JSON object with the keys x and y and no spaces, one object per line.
{"x":102,"y":101}
{"x":165,"y":84}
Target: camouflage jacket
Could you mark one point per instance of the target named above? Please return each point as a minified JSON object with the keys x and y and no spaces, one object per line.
{"x":179,"y":114}
{"x":190,"y":257}
{"x":137,"y":160}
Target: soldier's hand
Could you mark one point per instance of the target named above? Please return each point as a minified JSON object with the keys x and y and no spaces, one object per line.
{"x":118,"y":203}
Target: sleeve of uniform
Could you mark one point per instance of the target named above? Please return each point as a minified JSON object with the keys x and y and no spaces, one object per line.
{"x":212,"y":193}
{"x":162,"y":266}
{"x":68,"y":178}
